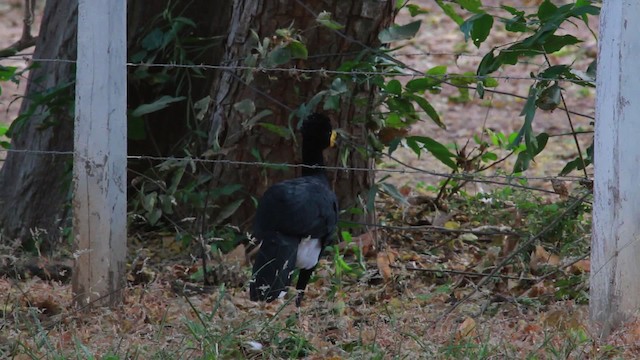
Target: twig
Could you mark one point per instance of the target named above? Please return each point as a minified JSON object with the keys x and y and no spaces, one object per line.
{"x":26,"y":40}
{"x":468,"y":273}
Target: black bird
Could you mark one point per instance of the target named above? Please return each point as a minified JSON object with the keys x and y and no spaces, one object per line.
{"x":295,"y":219}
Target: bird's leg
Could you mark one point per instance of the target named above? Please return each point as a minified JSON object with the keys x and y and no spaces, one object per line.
{"x":303,"y":280}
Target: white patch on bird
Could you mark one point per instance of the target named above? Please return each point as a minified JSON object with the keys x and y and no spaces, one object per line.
{"x":254,"y":345}
{"x":308,"y":253}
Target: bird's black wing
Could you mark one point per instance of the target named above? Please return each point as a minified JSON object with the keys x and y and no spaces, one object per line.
{"x":299,"y":207}
{"x":273,"y":267}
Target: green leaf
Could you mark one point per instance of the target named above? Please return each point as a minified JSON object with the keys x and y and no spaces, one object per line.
{"x":399,"y":32}
{"x":592,"y":69}
{"x":546,"y":11}
{"x":488,"y":64}
{"x":516,"y":25}
{"x":298,"y":50}
{"x":227,"y":211}
{"x":414,"y":145}
{"x":473,"y":6}
{"x":278,"y":56}
{"x":429,"y":110}
{"x":554,"y":43}
{"x":415,"y":10}
{"x":393,"y":120}
{"x":153,"y":41}
{"x":577,"y":164}
{"x":324,"y":18}
{"x":245,"y":107}
{"x":338,"y":87}
{"x":433,"y":78}
{"x":225,"y":190}
{"x":393,"y":145}
{"x":541,"y":140}
{"x":480,"y":89}
{"x":512,"y":10}
{"x":450,"y":12}
{"x":525,"y":157}
{"x":331,"y":102}
{"x":392,"y":191}
{"x":400,"y":105}
{"x":256,"y":118}
{"x":526,"y":131}
{"x":420,"y":85}
{"x":489,"y":157}
{"x":477,"y":28}
{"x":437,"y":70}
{"x":438,"y":150}
{"x":394,"y":87}
{"x":149,"y":201}
{"x":277,"y":129}
{"x":522,"y":162}
{"x":7,"y":72}
{"x":549,"y":99}
{"x":490,"y":82}
{"x":157,"y":105}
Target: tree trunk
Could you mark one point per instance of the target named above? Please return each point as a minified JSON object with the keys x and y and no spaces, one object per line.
{"x":33,"y":186}
{"x":280,"y":92}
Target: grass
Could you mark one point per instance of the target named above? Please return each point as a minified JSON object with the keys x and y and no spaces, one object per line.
{"x":350,"y":311}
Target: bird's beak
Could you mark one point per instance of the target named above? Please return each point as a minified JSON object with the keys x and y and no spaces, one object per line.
{"x":334,"y":137}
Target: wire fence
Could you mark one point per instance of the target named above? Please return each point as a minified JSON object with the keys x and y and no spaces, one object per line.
{"x":354,"y":73}
{"x":496,"y":179}
{"x":401,"y":71}
{"x":400,"y":167}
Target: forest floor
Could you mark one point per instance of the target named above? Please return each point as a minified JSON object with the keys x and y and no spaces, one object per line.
{"x":419,"y":294}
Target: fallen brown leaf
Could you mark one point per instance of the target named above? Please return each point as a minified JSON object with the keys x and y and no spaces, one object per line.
{"x":384,"y":260}
{"x":540,"y":257}
{"x":466,"y":329}
{"x":366,"y":243}
{"x":237,"y":256}
{"x":580,"y":267}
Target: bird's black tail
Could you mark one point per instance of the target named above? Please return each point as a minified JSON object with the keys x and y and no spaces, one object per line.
{"x":273,"y":268}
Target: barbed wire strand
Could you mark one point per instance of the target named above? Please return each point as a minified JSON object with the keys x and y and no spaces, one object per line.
{"x":407,"y":168}
{"x":295,"y":70}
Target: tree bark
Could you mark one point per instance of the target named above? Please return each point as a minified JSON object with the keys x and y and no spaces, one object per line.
{"x":281,"y":92}
{"x":34,"y":187}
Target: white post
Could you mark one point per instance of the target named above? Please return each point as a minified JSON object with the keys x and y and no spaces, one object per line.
{"x":99,"y":168}
{"x":615,"y":249}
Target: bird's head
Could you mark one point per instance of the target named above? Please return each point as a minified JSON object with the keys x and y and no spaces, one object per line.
{"x":317,"y":131}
